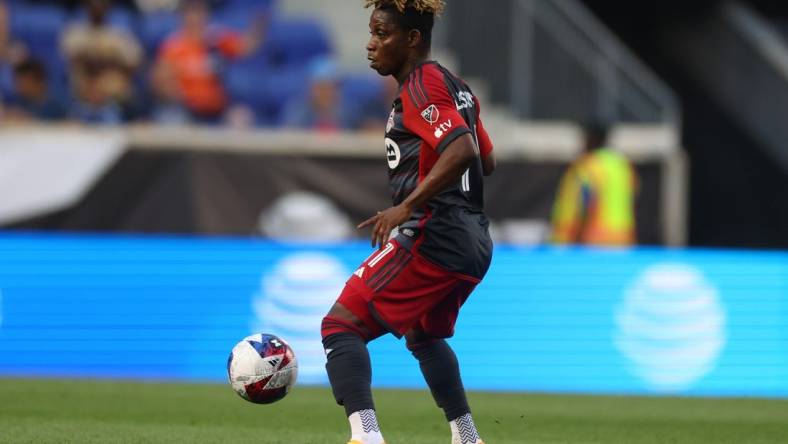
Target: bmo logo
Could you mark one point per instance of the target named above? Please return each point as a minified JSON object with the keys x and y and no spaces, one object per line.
{"x":392,"y":153}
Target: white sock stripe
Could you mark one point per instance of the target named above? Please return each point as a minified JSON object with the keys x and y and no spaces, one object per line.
{"x":467,"y":429}
{"x":369,"y":421}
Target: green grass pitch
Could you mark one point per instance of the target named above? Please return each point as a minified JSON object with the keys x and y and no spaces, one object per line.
{"x":88,"y":411}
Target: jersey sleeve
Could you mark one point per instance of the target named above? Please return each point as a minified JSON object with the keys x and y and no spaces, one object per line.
{"x":482,"y":138}
{"x":429,"y":111}
{"x":485,"y":144}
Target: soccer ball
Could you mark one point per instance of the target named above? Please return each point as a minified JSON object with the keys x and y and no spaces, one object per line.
{"x":262,"y":368}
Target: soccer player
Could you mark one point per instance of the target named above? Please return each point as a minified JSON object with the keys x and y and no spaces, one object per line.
{"x":434,"y":245}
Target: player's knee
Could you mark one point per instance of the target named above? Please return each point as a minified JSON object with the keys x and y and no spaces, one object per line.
{"x":333,"y":325}
{"x":341,"y":320}
{"x":417,"y":339}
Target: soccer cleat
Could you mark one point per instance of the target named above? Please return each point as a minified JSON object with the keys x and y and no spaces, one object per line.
{"x":358,"y":442}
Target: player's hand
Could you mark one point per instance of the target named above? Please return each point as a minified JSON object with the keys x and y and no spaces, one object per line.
{"x":384,"y":222}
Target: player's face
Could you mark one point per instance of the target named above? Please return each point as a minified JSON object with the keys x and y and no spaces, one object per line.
{"x":387,"y":48}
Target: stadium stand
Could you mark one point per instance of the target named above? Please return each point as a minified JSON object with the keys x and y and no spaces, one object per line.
{"x":261,"y":85}
{"x":264,"y":81}
{"x":39,"y":27}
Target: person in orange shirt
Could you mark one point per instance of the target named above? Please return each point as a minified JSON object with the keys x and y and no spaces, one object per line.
{"x":194,"y":55}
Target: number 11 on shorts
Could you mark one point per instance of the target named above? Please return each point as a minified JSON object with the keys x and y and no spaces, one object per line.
{"x":388,"y":249}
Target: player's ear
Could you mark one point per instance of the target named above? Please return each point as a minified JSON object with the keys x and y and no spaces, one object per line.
{"x":414,"y":38}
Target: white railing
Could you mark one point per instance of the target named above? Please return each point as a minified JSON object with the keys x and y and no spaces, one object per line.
{"x":624,"y":85}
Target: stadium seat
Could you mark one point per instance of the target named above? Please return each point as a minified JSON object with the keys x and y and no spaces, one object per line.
{"x":295,"y":42}
{"x":155,"y":27}
{"x":238,"y":20}
{"x":265,"y":89}
{"x":37,"y":24}
{"x":283,"y":86}
{"x":40,"y":28}
{"x":6,"y":82}
{"x":119,"y":17}
{"x":238,"y":14}
{"x":361,"y":88}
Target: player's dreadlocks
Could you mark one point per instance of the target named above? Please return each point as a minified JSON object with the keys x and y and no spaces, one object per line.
{"x":412,"y":14}
{"x":423,"y":6}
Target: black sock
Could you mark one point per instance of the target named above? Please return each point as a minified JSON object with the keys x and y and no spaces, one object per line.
{"x":442,"y":372}
{"x":349,"y":371}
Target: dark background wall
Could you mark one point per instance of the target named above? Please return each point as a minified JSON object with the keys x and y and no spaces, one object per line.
{"x":225,"y":193}
{"x":738,"y":195}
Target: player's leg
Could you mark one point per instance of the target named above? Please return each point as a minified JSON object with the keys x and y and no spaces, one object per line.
{"x":440,"y":366}
{"x":345,"y":335}
{"x":392,"y":290}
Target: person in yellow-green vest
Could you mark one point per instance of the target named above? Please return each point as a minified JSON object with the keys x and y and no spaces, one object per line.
{"x":595,"y":204}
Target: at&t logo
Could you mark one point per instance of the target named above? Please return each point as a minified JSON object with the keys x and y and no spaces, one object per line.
{"x":671,"y":326}
{"x":294,"y":296}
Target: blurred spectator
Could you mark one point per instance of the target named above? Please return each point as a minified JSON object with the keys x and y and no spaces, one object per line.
{"x":372,"y":115}
{"x":322,"y":107}
{"x":11,"y":52}
{"x":325,"y":107}
{"x":196,"y":53}
{"x":166,"y":107}
{"x":102,"y":63}
{"x":31,"y":99}
{"x":94,"y":106}
{"x":596,"y":199}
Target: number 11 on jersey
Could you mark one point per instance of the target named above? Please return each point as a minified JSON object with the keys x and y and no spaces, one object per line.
{"x":466,"y":181}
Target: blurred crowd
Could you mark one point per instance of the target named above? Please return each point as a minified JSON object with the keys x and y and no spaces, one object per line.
{"x":171,"y":62}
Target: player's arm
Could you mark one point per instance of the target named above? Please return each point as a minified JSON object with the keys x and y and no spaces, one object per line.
{"x":448,"y":169}
{"x":486,"y":152}
{"x":489,"y":163}
{"x":451,"y":165}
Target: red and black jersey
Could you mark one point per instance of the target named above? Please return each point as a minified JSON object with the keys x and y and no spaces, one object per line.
{"x":433,"y":109}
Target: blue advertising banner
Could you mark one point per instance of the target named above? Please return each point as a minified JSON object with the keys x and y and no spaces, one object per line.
{"x":560,"y":320}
